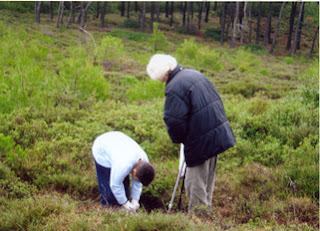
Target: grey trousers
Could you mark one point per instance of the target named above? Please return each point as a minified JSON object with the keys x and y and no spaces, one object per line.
{"x":199,"y":184}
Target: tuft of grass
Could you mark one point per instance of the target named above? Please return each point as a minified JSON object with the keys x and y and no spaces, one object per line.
{"x":289,"y":60}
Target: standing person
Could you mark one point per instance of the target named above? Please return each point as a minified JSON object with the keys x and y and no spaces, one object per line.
{"x":195,"y":116}
{"x":116,"y":155}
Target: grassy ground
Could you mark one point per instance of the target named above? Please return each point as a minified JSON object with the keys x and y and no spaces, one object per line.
{"x":59,"y":93}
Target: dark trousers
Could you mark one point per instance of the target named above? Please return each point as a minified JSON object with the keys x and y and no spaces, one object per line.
{"x":106,"y":195}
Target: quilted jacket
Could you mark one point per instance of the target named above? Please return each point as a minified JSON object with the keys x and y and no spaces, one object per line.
{"x":195,"y":116}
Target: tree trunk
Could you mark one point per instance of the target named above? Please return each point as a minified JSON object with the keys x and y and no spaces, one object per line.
{"x":191,"y":8}
{"x":207,"y":12}
{"x":98,"y":10}
{"x":158,"y":11}
{"x":188,"y":17}
{"x":200,"y":5}
{"x":231,"y":17}
{"x":103,"y":12}
{"x":74,"y":14}
{"x":258,"y":24}
{"x":295,"y":42}
{"x":214,"y":6}
{"x":80,"y":12}
{"x":142,"y":17}
{"x":184,"y":8}
{"x":171,"y":14}
{"x":223,"y":21}
{"x":314,"y":40}
{"x":51,"y":10}
{"x":167,"y":9}
{"x":276,"y":30}
{"x":70,"y":15}
{"x":128,"y":9}
{"x":122,"y":8}
{"x":300,"y":29}
{"x":59,"y":13}
{"x":81,"y":15}
{"x":234,"y":30}
{"x":37,"y":6}
{"x":270,"y":26}
{"x":292,"y":15}
{"x":243,"y":27}
{"x":268,"y":30}
{"x":152,"y":15}
{"x":136,"y":7}
{"x":250,"y":24}
{"x":84,"y":14}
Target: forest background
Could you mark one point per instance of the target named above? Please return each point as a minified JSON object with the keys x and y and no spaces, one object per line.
{"x":70,"y":71}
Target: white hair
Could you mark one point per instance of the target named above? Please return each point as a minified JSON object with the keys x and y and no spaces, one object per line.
{"x":160,"y":66}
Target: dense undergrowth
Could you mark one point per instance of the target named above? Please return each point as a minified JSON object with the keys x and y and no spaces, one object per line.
{"x":57,"y":94}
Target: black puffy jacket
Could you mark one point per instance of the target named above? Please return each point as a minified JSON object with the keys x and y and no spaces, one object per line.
{"x":195,"y":116}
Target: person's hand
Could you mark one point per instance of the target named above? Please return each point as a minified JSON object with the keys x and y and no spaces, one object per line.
{"x":128,"y":207}
{"x":135,"y":204}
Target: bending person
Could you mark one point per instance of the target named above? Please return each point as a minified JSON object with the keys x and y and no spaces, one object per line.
{"x":116,"y":155}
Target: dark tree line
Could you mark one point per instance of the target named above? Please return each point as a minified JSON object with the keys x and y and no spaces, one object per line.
{"x":244,"y":18}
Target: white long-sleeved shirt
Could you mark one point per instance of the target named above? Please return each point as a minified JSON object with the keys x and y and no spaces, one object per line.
{"x":119,"y":152}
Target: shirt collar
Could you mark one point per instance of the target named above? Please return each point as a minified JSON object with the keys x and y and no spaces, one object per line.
{"x":175,"y":71}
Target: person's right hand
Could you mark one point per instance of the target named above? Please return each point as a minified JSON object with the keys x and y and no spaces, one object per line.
{"x":135,"y":204}
{"x":128,"y":207}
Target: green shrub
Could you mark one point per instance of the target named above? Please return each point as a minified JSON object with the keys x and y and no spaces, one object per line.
{"x":214,"y":33}
{"x":183,"y":30}
{"x":310,"y":91}
{"x":268,"y":152}
{"x":246,"y":87}
{"x":130,"y":80}
{"x":164,"y":182}
{"x":13,"y":155}
{"x":191,"y":53}
{"x":264,"y":71}
{"x":145,"y":90}
{"x":254,"y":48}
{"x":256,"y":177}
{"x":158,"y":40}
{"x":4,"y":171}
{"x":110,"y":48}
{"x":22,"y":7}
{"x":189,"y":49}
{"x":311,"y":95}
{"x":86,"y":80}
{"x":288,"y":60}
{"x":243,"y":60}
{"x":259,"y":106}
{"x":13,"y":187}
{"x":137,"y":37}
{"x":302,"y":170}
{"x":130,"y":23}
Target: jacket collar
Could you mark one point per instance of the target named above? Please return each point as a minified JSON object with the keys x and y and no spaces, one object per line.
{"x":175,"y":71}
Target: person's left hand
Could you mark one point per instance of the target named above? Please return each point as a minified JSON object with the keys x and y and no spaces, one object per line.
{"x":135,"y":204}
